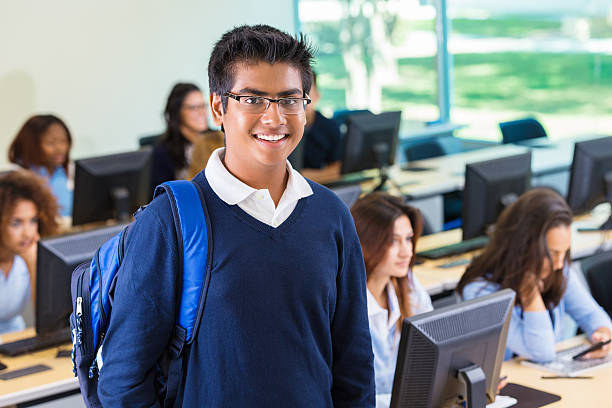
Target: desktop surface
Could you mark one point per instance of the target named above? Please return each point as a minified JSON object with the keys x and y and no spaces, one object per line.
{"x":57,"y":380}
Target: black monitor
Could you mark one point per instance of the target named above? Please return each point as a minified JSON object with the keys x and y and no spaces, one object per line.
{"x":112,"y":186}
{"x":490,"y":186}
{"x":455,"y":350}
{"x":370,"y":141}
{"x":591,"y":176}
{"x":57,"y":258}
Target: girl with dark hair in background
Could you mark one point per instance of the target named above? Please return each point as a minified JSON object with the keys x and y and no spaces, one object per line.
{"x":28,"y":210}
{"x":186,"y":137}
{"x":43,"y":146}
{"x":529,"y":253}
{"x":388,"y":231}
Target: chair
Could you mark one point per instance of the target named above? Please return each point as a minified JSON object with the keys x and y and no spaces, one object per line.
{"x":597,"y":270}
{"x":522,"y":129}
{"x":147,"y":140}
{"x":423,"y":150}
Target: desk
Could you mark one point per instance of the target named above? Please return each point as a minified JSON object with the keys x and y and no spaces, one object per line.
{"x":58,"y":380}
{"x":574,"y":393}
{"x":437,"y":280}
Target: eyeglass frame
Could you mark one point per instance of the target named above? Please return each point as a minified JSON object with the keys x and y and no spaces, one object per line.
{"x":306,"y":100}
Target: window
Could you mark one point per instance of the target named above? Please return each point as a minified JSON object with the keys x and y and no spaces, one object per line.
{"x":374,"y":54}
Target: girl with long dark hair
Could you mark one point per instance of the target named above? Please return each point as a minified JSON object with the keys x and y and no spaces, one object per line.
{"x":529,"y":253}
{"x":388,"y":231}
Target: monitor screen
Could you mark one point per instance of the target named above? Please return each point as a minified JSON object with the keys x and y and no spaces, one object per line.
{"x":490,"y":186}
{"x":370,"y":141}
{"x":591,"y":175}
{"x":112,"y":186}
{"x":57,"y":258}
{"x":437,"y":347}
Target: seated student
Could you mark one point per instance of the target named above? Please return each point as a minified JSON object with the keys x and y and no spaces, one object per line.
{"x":43,"y":146}
{"x":28,"y":209}
{"x":388,"y":231}
{"x":321,"y":145}
{"x":529,"y":253}
{"x":186,"y":127}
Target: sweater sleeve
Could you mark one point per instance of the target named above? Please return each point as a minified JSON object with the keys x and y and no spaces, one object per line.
{"x":530,"y":334}
{"x":581,"y":306}
{"x":143,"y":314}
{"x":353,"y":366}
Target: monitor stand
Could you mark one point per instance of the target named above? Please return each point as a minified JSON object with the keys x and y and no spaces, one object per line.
{"x":608,"y":180}
{"x":474,"y":380}
{"x":121,"y":200}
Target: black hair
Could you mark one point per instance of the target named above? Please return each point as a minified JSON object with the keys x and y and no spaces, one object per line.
{"x":173,"y":138}
{"x":252,"y":44}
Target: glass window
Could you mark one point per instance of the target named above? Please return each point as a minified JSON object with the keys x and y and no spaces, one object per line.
{"x":549,"y":60}
{"x":374,"y":54}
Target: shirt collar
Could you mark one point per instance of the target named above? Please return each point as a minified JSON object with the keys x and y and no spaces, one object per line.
{"x":233,"y":191}
{"x":374,"y":308}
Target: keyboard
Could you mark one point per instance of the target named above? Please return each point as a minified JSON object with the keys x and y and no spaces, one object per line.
{"x":39,"y":342}
{"x":454,"y":249}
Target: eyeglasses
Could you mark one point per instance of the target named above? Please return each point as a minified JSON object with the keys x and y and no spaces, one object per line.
{"x":260,"y":104}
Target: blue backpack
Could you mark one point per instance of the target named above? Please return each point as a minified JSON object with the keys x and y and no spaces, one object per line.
{"x":93,"y":286}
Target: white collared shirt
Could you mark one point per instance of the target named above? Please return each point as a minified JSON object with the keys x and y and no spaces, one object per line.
{"x":257,"y":203}
{"x":384,"y":333}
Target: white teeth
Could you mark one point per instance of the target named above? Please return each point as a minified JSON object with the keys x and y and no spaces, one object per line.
{"x":270,"y":138}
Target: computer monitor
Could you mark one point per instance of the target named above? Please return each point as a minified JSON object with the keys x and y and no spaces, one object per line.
{"x":455,"y":350}
{"x":490,"y":186}
{"x":57,"y":258}
{"x":591,"y":176}
{"x":112,"y":186}
{"x":370,"y":141}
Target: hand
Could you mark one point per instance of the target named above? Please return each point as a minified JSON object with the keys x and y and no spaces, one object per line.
{"x":601,"y":334}
{"x":29,"y":254}
{"x":531,"y":293}
{"x":503,"y":381}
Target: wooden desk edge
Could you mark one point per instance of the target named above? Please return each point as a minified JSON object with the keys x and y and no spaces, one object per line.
{"x":40,"y":391}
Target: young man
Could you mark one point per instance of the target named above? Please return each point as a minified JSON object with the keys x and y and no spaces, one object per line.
{"x":285,"y":320}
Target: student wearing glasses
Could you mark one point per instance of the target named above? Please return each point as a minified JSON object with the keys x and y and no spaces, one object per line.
{"x":187,"y":142}
{"x":388,"y":231}
{"x":529,"y":253}
{"x":285,"y":320}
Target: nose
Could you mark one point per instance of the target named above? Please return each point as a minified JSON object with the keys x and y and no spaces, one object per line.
{"x":558,"y":262}
{"x":273,"y":116}
{"x":406,"y":249}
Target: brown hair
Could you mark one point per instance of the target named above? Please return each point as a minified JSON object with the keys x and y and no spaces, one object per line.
{"x":25,"y":185}
{"x":374,"y":217}
{"x":25,"y":150}
{"x":518,"y":245}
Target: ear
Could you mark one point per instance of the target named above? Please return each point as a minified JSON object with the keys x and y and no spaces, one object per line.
{"x":216,"y":109}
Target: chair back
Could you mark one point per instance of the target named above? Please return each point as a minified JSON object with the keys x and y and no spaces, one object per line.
{"x":522,"y":129}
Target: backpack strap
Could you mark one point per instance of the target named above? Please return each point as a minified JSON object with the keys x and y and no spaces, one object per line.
{"x":194,"y":252}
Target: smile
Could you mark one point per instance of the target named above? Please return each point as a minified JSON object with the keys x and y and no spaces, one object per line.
{"x":270,"y":138}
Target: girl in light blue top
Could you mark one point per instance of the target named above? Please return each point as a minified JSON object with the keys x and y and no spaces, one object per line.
{"x":43,"y":146}
{"x":388,"y":231}
{"x":28,"y":209}
{"x":529,"y":253}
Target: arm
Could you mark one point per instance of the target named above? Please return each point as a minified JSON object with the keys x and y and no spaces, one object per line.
{"x":353,"y":367}
{"x":531,"y":333}
{"x":143,"y":314}
{"x":587,"y":313}
{"x":326,"y":174}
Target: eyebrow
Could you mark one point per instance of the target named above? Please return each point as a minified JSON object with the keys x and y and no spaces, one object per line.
{"x":257,"y":92}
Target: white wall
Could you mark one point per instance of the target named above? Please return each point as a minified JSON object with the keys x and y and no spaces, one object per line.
{"x":106,"y":67}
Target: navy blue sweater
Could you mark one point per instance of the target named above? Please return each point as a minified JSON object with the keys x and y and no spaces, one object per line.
{"x":285,"y":321}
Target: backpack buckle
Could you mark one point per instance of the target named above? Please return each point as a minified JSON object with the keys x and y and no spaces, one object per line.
{"x":179,"y":339}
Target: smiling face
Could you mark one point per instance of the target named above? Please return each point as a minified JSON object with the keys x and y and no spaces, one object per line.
{"x":54,"y":144}
{"x":397,"y":259}
{"x":21,"y":229}
{"x":258,"y":143}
